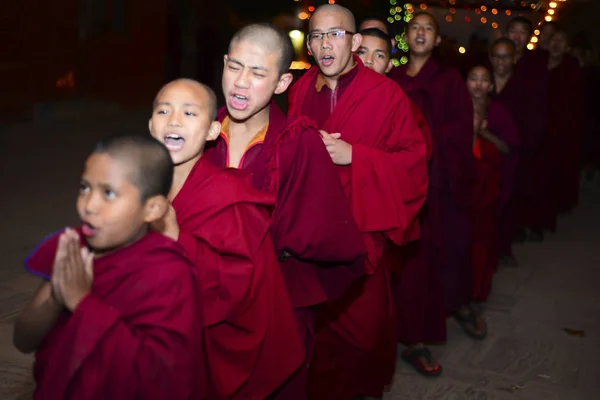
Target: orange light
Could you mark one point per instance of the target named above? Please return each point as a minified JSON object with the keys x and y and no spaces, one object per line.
{"x":548,"y":18}
{"x":331,"y":1}
{"x":453,"y":11}
{"x":303,"y":15}
{"x":495,"y":25}
{"x":452,"y":2}
{"x":483,"y":8}
{"x":508,"y":12}
{"x":483,"y":20}
{"x":449,"y":18}
{"x":550,"y":12}
{"x":494,"y":11}
{"x":311,"y":8}
{"x":423,"y":6}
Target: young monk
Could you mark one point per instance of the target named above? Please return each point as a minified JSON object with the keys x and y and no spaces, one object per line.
{"x":529,"y":95}
{"x":492,"y":123}
{"x":375,"y":23}
{"x":251,"y":343}
{"x":375,"y":52}
{"x":563,"y":145}
{"x":445,"y":246}
{"x":320,"y":249}
{"x":412,"y":284}
{"x":116,"y":316}
{"x":372,"y":138}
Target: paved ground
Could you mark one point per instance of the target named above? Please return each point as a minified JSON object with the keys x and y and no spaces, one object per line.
{"x":527,"y":354}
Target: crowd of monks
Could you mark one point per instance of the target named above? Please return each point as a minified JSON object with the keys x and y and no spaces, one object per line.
{"x":315,"y":240}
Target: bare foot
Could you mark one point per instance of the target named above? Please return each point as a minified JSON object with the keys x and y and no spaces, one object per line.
{"x":471,"y":322}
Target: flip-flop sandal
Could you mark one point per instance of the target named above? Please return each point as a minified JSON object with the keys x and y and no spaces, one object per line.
{"x":411,"y":356}
{"x":470,"y":321}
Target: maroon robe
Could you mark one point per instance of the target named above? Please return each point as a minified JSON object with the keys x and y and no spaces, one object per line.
{"x":136,"y":335}
{"x":562,"y":148}
{"x":484,"y":217}
{"x":501,"y":124}
{"x":252,"y":343}
{"x":417,"y":286}
{"x":385,"y":185}
{"x":320,"y":248}
{"x":445,"y":245}
{"x":526,"y":97}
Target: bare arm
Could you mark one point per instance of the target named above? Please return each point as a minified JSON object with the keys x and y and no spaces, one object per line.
{"x":499,"y":143}
{"x":36,"y":319}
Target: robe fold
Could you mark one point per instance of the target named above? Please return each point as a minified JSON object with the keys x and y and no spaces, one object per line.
{"x":525,"y":95}
{"x":385,"y":185}
{"x":561,"y":158}
{"x":417,"y":286}
{"x":484,"y":217}
{"x":320,"y":248}
{"x":136,"y":335}
{"x":451,"y":178}
{"x":252,"y":344}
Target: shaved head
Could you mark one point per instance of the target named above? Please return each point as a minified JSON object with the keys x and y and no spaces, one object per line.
{"x":374,"y":23}
{"x":151,"y":167}
{"x":200,"y":88}
{"x":270,"y":38}
{"x":423,"y":14}
{"x":347,"y":16}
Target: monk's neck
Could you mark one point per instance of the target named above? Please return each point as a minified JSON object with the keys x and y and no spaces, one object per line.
{"x":554,"y":62}
{"x":333,"y":81}
{"x":416,"y":64}
{"x":500,"y":82}
{"x":180,"y":175}
{"x":249,"y":127}
{"x":480,"y":106}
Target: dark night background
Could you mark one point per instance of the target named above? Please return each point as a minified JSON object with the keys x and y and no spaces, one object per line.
{"x":122,"y":51}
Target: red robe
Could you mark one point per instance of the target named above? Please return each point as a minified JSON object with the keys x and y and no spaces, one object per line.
{"x":320,"y":248}
{"x":526,"y":97}
{"x":563,"y":145}
{"x":136,"y":335}
{"x":386,"y":184}
{"x":484,"y":217}
{"x":446,"y":240}
{"x":252,"y":343}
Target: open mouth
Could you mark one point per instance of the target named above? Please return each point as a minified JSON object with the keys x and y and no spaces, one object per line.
{"x":420,"y":41}
{"x":327,"y":60}
{"x":88,"y":230}
{"x":239,"y":102}
{"x":174,"y":142}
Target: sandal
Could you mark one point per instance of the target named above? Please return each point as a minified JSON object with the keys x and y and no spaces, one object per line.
{"x":470,"y":321}
{"x":412,"y":356}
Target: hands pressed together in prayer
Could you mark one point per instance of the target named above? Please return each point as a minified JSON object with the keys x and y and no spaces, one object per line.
{"x":167,"y":225}
{"x":339,"y":150}
{"x":73,"y":271}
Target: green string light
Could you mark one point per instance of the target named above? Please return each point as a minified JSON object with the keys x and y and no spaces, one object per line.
{"x":403,"y":12}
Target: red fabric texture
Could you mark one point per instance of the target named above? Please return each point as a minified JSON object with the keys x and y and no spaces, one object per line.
{"x":385,"y":184}
{"x":252,"y":343}
{"x":136,"y":335}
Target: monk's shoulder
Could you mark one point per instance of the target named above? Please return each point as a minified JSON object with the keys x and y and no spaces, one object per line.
{"x":300,"y":132}
{"x":161,"y":259}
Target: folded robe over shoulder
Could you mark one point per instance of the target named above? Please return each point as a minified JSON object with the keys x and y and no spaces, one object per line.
{"x":312,"y":220}
{"x":385,"y":185}
{"x":252,"y":342}
{"x":135,"y":336}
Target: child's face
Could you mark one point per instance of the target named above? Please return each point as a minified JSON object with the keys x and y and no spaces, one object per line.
{"x":109,"y":205}
{"x":502,"y":58}
{"x":374,"y":54}
{"x":181,"y":120}
{"x":421,"y":35}
{"x":479,"y":82}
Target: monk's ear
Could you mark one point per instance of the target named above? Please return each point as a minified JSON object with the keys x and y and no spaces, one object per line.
{"x":389,"y":66}
{"x":155,"y":208}
{"x":356,"y":41}
{"x":150,"y":125}
{"x":214,"y":130}
{"x":225,"y":58}
{"x":284,"y":82}
{"x":438,"y":40}
{"x":310,"y":53}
